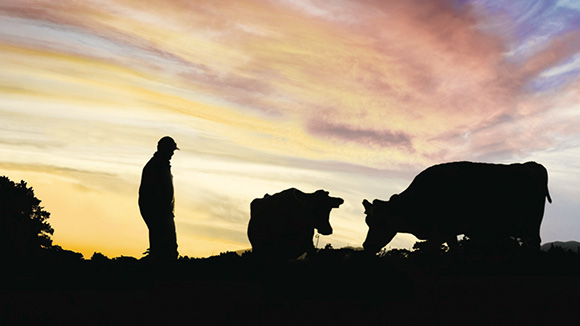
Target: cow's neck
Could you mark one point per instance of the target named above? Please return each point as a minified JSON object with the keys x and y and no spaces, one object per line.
{"x":405,"y":225}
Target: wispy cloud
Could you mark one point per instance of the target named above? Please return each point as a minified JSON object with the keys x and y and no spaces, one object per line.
{"x":362,"y":136}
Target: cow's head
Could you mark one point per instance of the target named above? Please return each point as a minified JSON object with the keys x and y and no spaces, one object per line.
{"x":380,"y":217}
{"x":320,"y":204}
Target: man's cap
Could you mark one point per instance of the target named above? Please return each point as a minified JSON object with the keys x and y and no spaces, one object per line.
{"x":167,"y":143}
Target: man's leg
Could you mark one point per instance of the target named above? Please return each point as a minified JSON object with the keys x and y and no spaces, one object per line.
{"x":169,"y":239}
{"x":172,"y":236}
{"x":155,"y":236}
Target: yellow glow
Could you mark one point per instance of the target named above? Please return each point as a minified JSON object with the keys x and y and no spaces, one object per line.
{"x":261,"y":96}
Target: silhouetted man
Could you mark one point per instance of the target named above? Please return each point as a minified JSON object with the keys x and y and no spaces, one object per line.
{"x":157,"y":202}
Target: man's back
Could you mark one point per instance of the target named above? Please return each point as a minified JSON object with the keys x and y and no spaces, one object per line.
{"x":156,"y":193}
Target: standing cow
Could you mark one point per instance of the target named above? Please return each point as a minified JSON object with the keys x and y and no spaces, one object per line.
{"x":282,"y":225}
{"x":482,"y":201}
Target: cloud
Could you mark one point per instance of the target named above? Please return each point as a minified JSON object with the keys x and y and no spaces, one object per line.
{"x":360,"y":135}
{"x":375,"y":73}
{"x":337,"y":11}
{"x":353,"y":96}
{"x":557,"y":51}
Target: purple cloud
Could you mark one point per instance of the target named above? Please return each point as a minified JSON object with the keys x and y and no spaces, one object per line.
{"x":366,"y":137}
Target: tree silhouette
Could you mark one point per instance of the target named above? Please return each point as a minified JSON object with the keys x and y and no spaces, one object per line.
{"x":24,"y":230}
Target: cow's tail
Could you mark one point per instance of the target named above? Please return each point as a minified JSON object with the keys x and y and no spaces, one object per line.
{"x":545,"y":180}
{"x":547,"y":191}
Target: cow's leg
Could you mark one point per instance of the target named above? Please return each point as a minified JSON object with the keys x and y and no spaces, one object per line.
{"x":307,"y":243}
{"x":531,"y":236}
{"x":532,"y":240}
{"x":453,"y":243}
{"x":531,"y":233}
{"x":433,"y":245}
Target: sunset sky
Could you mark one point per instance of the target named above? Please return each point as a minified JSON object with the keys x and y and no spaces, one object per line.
{"x":355,"y":97}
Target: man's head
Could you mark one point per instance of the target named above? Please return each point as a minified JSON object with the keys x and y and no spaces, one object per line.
{"x":166,"y":146}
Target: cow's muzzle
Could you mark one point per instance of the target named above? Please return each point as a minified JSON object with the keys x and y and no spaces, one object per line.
{"x":325,"y":230}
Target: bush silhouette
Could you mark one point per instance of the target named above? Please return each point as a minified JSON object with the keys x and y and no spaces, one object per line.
{"x":24,"y":230}
{"x":99,"y":257}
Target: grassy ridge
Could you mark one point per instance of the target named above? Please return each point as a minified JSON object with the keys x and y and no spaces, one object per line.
{"x":332,"y":286}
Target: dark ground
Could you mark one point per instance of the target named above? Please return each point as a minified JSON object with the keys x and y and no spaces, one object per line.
{"x":342,"y":287}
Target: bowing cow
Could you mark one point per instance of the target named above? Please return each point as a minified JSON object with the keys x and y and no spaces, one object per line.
{"x":485,"y":202}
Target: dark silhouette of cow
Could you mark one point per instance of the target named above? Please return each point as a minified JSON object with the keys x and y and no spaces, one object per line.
{"x":282,"y":225}
{"x":485,"y":202}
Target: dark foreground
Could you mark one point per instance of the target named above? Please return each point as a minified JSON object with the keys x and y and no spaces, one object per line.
{"x":332,"y":287}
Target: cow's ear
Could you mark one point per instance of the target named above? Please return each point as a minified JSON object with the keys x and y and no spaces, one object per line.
{"x":321,"y":192}
{"x":299,"y":195}
{"x":368,"y":206}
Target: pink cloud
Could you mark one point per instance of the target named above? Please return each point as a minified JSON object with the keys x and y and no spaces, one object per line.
{"x":371,"y":138}
{"x":436,"y":73}
{"x":557,"y":50}
{"x":408,"y":75}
